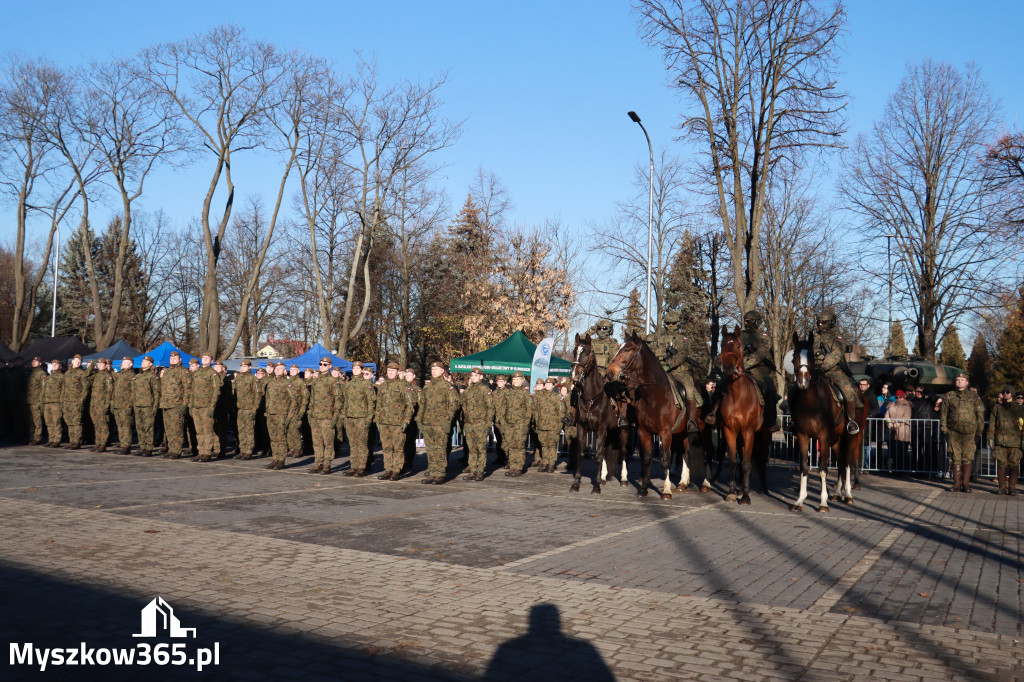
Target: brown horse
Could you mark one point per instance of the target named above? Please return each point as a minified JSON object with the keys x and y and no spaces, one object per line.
{"x":657,"y":415}
{"x":742,"y":419}
{"x":596,"y":413}
{"x":817,"y":414}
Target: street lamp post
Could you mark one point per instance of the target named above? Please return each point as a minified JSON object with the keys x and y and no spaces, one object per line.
{"x":888,"y":255}
{"x":650,"y":219}
{"x":56,"y":260}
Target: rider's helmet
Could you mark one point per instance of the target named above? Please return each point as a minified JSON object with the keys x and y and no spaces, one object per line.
{"x":827,"y":319}
{"x":671,"y":320}
{"x":604,"y":328}
{"x":752,"y":320}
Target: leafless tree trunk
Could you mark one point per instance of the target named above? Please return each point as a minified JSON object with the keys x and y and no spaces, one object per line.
{"x":918,"y":176}
{"x":761,"y":74}
{"x":222,"y":83}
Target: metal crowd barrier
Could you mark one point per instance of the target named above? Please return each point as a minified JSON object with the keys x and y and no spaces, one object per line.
{"x":924,"y":452}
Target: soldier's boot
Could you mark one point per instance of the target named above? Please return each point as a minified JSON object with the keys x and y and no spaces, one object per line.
{"x":317,"y":469}
{"x":326,"y":469}
{"x":145,"y":453}
{"x":621,"y":409}
{"x":852,"y":427}
{"x":965,"y":478}
{"x":174,"y":455}
{"x":101,"y":448}
{"x":124,"y":451}
{"x":1011,"y":484}
{"x":691,"y":414}
{"x":957,"y":471}
{"x":1001,"y":479}
{"x":349,"y":472}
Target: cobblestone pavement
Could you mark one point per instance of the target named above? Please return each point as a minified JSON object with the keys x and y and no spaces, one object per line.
{"x":336,"y":578}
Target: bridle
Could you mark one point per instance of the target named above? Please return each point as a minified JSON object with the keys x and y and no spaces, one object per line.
{"x":627,"y":370}
{"x":585,"y":405}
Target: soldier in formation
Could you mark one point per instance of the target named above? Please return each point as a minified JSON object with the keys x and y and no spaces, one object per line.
{"x":34,"y":400}
{"x":73,"y":397}
{"x":326,"y":402}
{"x":247,"y":390}
{"x":203,"y":397}
{"x":550,"y":415}
{"x":438,"y":402}
{"x":175,"y":387}
{"x":515,"y":421}
{"x":393,"y":411}
{"x":101,"y":390}
{"x":478,"y":415}
{"x":53,"y":389}
{"x":1006,"y":427}
{"x":360,"y":402}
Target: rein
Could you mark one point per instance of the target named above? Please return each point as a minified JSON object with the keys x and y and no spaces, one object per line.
{"x":585,"y":414}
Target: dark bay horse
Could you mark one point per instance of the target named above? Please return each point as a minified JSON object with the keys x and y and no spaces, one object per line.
{"x":657,"y":415}
{"x":742,"y":419}
{"x":596,"y":413}
{"x":817,"y":414}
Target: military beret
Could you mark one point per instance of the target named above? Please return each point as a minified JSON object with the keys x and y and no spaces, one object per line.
{"x":78,"y":356}
{"x":246,"y":362}
{"x":549,"y":380}
{"x":55,"y":361}
{"x":193,"y":361}
{"x":540,"y":382}
{"x":148,"y":357}
{"x":358,"y":364}
{"x":103,"y":360}
{"x":961,"y":373}
{"x":518,"y":374}
{"x":477,"y":370}
{"x":175,"y":354}
{"x":219,"y":362}
{"x":501,"y":377}
{"x":393,"y":365}
{"x":435,"y":363}
{"x":294,"y":366}
{"x":37,"y":359}
{"x":326,"y":360}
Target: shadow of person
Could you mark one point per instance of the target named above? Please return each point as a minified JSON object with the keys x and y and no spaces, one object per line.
{"x":545,"y":653}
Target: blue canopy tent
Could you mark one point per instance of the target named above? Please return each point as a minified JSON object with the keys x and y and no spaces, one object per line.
{"x":161,"y":355}
{"x":114,"y":353}
{"x":311,"y":359}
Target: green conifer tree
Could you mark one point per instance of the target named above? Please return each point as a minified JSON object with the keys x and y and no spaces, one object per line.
{"x":897,"y":343}
{"x":634,"y":314}
{"x":979,"y":365}
{"x":1008,"y":367}
{"x":952,"y":349}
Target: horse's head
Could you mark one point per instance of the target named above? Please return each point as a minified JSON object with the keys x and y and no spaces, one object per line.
{"x":732,"y":351}
{"x":584,"y":360}
{"x":803,"y":359}
{"x":626,"y":362}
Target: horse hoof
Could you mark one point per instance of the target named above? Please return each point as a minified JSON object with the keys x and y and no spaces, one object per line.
{"x":641,"y":493}
{"x":574,"y":488}
{"x":856,"y":486}
{"x":848,"y":500}
{"x":595,"y":489}
{"x":666,"y":496}
{"x":730,"y":498}
{"x":823,"y":509}
{"x":745,"y":499}
{"x":680,"y":489}
{"x":796,"y":507}
{"x":623,"y":483}
{"x":705,"y":488}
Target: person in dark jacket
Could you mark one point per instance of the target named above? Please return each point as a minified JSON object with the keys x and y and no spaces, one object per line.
{"x":924,"y":429}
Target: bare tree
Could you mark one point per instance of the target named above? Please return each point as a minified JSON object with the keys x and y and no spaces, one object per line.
{"x":27,"y":93}
{"x":624,"y":240}
{"x":1004,"y":174}
{"x":761,"y":74}
{"x":223,"y":82}
{"x":393,"y":129}
{"x":917,"y":176}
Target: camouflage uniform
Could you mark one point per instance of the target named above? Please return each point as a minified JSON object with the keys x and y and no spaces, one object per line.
{"x":300,"y":402}
{"x":76,"y":391}
{"x":278,"y":399}
{"x":1005,"y":428}
{"x":549,"y":409}
{"x":248,"y":392}
{"x":478,"y":415}
{"x":412,"y":429}
{"x":438,"y":403}
{"x":203,"y":396}
{"x":758,"y":363}
{"x":498,"y":396}
{"x":34,"y":402}
{"x":962,"y":418}
{"x":672,"y":348}
{"x":53,"y":388}
{"x":100,"y":391}
{"x":828,"y":352}
{"x":174,"y":398}
{"x":325,"y":404}
{"x":605,"y":346}
{"x":516,"y":418}
{"x":145,"y":399}
{"x":394,"y":409}
{"x":122,"y":404}
{"x":360,"y":400}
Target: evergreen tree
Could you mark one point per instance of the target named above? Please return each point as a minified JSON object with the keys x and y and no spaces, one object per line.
{"x":1008,"y":367}
{"x":74,"y":298}
{"x":634,"y":314}
{"x":952,"y":350}
{"x":897,"y":344}
{"x":979,"y":365}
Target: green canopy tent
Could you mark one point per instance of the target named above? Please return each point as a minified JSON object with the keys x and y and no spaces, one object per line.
{"x":513,"y":354}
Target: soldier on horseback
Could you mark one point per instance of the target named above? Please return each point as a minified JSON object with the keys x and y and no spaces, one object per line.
{"x":671,"y":348}
{"x":605,"y":347}
{"x":758,"y":363}
{"x":828,"y":352}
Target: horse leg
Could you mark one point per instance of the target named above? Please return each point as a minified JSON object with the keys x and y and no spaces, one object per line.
{"x":730,"y":444}
{"x":581,"y":434}
{"x":684,"y":469}
{"x":624,"y":440}
{"x":600,"y":453}
{"x":646,"y":446}
{"x":748,"y":451}
{"x":666,"y":463}
{"x":823,"y":460}
{"x":803,"y":443}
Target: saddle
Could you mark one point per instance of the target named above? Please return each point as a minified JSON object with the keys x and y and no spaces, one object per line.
{"x":678,"y":393}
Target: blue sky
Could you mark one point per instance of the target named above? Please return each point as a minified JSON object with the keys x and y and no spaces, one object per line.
{"x":544,"y":86}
